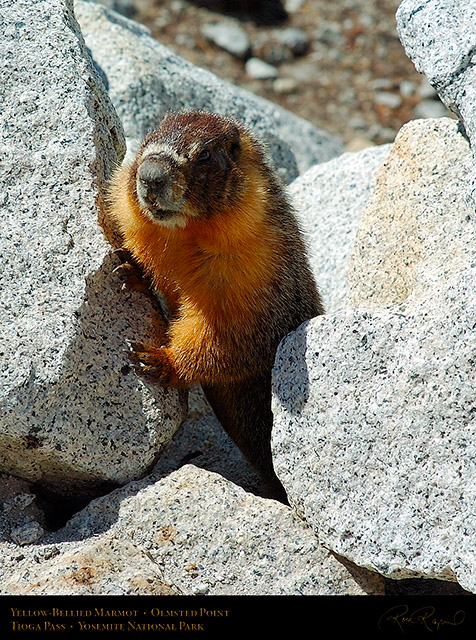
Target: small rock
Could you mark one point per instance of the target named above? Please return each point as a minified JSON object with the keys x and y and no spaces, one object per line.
{"x":272,"y":52}
{"x":380,"y":83}
{"x":260,"y":70}
{"x":125,"y":7}
{"x":27,"y":533}
{"x":293,"y":6}
{"x":391,"y":100}
{"x":230,"y":37}
{"x":177,"y":6}
{"x":430,"y":109}
{"x":19,"y":502}
{"x":200,"y":589}
{"x":280,"y":45}
{"x":285,"y":85}
{"x":185,"y":40}
{"x":357,"y":122}
{"x":387,"y":134}
{"x":377,"y":132}
{"x":18,"y":507}
{"x":358,"y":144}
{"x":293,"y":39}
{"x":407,"y":88}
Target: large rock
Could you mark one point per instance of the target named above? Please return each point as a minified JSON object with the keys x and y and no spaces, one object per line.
{"x":440,"y":39}
{"x":375,"y":429}
{"x":190,"y":533}
{"x":415,"y":233}
{"x":145,"y":79}
{"x":72,"y":415}
{"x":96,"y":566}
{"x":329,"y":200}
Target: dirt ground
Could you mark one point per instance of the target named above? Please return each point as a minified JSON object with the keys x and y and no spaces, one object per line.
{"x":348,"y":74}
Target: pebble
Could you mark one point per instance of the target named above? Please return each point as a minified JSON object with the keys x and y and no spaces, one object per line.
{"x":185,"y":40}
{"x":260,"y":70}
{"x":27,"y":533}
{"x":387,"y":134}
{"x":294,"y":39}
{"x":293,"y":6}
{"x":285,"y":86}
{"x":358,"y":144}
{"x":430,"y":109}
{"x":383,"y":134}
{"x":177,"y":6}
{"x":407,"y":88}
{"x":18,"y":503}
{"x":280,"y":45}
{"x":380,"y":83}
{"x":357,"y":122}
{"x":388,"y":99}
{"x":230,"y":37}
{"x":201,"y":589}
{"x":125,"y":7}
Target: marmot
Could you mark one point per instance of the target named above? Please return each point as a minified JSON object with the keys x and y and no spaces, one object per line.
{"x":207,"y":221}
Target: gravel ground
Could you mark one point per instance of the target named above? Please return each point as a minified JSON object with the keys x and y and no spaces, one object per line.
{"x":338,"y":64}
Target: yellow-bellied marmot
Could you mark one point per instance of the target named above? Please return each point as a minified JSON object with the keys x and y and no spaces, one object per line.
{"x":207,"y":221}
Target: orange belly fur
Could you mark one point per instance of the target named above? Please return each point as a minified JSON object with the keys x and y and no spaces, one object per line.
{"x":213,"y":274}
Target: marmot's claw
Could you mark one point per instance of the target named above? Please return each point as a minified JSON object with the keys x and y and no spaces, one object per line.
{"x":133,"y":280}
{"x":134,"y":350}
{"x":148,"y":373}
{"x":124,"y":269}
{"x":146,"y":363}
{"x":141,"y":353}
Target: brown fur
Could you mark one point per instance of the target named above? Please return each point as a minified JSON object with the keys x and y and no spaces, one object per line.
{"x":234,"y":274}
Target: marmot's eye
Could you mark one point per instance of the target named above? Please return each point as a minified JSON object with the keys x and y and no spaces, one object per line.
{"x":204,"y":156}
{"x":234,"y":148}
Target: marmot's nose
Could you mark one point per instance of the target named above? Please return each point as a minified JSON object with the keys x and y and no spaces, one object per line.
{"x":155,"y":180}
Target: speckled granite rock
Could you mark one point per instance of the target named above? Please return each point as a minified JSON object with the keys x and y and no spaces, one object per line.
{"x":193,"y":533}
{"x":145,"y":79}
{"x":329,"y":199}
{"x":440,"y":39}
{"x":415,"y":232}
{"x":72,"y":415}
{"x":375,"y":429}
{"x":97,"y":566}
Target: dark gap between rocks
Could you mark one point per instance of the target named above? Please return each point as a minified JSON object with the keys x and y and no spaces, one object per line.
{"x":58,"y":510}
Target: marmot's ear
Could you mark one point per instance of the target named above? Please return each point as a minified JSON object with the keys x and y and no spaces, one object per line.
{"x":234,"y":143}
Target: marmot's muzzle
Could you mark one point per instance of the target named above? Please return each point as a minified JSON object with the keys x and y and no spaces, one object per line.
{"x":159,"y":185}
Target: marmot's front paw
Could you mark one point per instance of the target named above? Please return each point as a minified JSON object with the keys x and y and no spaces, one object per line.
{"x":150,"y":363}
{"x":130,"y":274}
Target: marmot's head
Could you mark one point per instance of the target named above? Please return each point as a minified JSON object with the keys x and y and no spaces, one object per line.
{"x":191,"y":166}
